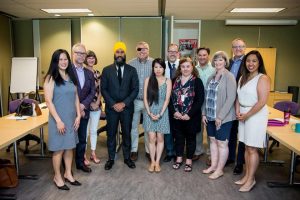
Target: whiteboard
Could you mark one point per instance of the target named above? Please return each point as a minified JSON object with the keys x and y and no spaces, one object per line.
{"x":23,"y":77}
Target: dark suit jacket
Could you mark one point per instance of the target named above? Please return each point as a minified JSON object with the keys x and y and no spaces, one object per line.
{"x":87,"y":92}
{"x":240,"y":69}
{"x":113,"y":92}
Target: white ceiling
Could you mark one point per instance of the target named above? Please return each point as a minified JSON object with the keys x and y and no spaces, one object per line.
{"x":180,"y":9}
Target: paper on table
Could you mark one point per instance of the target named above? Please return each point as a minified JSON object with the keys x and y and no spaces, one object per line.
{"x":279,"y":119}
{"x":294,"y":121}
{"x":17,"y":117}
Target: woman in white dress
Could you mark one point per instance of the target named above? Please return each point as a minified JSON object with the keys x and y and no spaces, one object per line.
{"x":252,"y":113}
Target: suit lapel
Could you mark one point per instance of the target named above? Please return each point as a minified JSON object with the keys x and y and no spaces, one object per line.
{"x":115,"y":75}
{"x":78,"y":83}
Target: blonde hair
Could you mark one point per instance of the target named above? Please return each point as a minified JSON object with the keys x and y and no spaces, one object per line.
{"x":221,"y":54}
{"x":143,"y":43}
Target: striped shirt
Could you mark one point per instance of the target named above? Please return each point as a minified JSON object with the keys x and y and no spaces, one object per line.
{"x":144,"y":70}
{"x":211,"y":99}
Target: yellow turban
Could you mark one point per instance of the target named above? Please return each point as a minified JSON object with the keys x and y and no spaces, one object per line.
{"x":120,"y":45}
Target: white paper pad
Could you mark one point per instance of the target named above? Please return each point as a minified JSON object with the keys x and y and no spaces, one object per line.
{"x":17,"y":117}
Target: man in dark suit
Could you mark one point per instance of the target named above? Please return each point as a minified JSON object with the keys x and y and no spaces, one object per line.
{"x":119,"y":87}
{"x":86,"y":92}
{"x":238,"y":49}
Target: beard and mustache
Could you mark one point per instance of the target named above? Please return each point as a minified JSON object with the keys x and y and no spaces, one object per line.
{"x":119,"y":60}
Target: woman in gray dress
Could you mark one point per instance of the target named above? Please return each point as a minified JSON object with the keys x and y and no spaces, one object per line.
{"x":157,"y":91}
{"x":64,"y":115}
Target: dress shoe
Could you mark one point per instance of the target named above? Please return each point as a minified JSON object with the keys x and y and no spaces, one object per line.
{"x":147,"y":155}
{"x":216,"y":175}
{"x":247,"y":189}
{"x":95,"y":159}
{"x":64,"y":187}
{"x":76,"y":183}
{"x":129,"y":163}
{"x":240,"y":182}
{"x":151,"y":167}
{"x":109,"y":164}
{"x":85,"y":168}
{"x":196,"y":157}
{"x":208,"y":171}
{"x":168,"y":158}
{"x":238,"y":169}
{"x":229,"y":162}
{"x":134,"y":156}
{"x":157,"y":168}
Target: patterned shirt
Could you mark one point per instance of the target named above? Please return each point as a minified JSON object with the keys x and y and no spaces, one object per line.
{"x":211,"y":99}
{"x":205,"y":72}
{"x":144,"y":70}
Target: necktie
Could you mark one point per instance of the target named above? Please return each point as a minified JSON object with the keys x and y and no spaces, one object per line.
{"x":172,"y":71}
{"x":119,"y":75}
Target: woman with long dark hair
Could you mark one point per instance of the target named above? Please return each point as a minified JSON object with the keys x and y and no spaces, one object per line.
{"x":64,"y":115}
{"x":187,"y":98}
{"x":252,"y":113}
{"x":157,"y":91}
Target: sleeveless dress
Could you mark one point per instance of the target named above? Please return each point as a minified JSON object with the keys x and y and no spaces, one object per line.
{"x":64,"y":97}
{"x":162,"y":125}
{"x":252,"y":132}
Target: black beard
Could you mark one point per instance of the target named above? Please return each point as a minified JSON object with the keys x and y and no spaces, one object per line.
{"x":120,"y":62}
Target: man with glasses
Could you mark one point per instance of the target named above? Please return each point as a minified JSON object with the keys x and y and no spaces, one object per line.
{"x":205,"y":70}
{"x":143,"y":65}
{"x":86,"y":92}
{"x":235,"y":63}
{"x":171,"y":66}
{"x":119,"y":87}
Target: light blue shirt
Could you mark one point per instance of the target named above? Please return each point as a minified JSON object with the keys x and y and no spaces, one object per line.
{"x":80,"y":74}
{"x":205,"y":72}
{"x":236,"y":66}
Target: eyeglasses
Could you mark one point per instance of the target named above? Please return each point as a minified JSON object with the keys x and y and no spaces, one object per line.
{"x":238,"y":47}
{"x":172,"y":52}
{"x":80,"y":53}
{"x":141,"y":49}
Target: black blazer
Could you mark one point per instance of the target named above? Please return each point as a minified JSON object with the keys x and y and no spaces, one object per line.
{"x":87,"y":92}
{"x":240,"y":69}
{"x":113,"y":92}
{"x":195,"y":113}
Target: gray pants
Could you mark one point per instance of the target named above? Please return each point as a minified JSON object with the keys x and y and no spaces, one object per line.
{"x":199,"y":143}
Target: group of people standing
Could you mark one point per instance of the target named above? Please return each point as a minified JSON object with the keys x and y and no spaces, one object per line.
{"x":176,"y":99}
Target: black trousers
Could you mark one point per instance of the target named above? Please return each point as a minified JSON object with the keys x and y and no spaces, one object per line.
{"x":184,"y":134}
{"x":233,"y":143}
{"x":81,"y":146}
{"x":113,"y":118}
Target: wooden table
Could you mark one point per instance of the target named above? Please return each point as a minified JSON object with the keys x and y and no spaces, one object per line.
{"x":12,"y":130}
{"x":287,"y":137}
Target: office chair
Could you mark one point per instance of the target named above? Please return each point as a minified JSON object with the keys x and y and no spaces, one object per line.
{"x":13,"y":105}
{"x":282,"y":106}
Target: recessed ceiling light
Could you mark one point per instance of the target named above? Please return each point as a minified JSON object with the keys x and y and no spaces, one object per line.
{"x":90,"y":14}
{"x":57,"y":15}
{"x":71,"y":10}
{"x":256,"y":10}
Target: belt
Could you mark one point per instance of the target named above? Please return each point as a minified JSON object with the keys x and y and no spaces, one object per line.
{"x":245,"y":106}
{"x":140,"y":98}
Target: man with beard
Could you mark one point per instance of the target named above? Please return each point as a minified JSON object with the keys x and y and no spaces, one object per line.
{"x":119,"y":87}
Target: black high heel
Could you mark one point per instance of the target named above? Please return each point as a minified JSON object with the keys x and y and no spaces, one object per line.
{"x":64,"y":187}
{"x":76,"y":183}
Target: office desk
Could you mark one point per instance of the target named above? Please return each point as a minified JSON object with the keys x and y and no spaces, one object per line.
{"x":287,"y":137}
{"x":12,"y":130}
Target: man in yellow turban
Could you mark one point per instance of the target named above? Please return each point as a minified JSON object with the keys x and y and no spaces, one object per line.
{"x":119,"y":87}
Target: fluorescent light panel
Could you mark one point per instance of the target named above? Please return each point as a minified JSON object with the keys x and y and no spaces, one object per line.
{"x":256,"y":10}
{"x":68,"y":10}
{"x":260,"y":22}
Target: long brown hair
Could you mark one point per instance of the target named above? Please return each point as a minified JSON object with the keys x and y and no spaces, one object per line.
{"x":245,"y":72}
{"x":183,"y":60}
